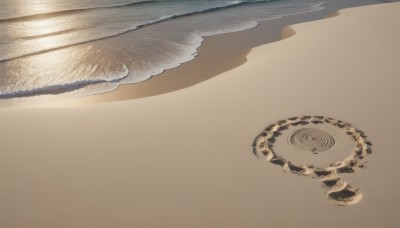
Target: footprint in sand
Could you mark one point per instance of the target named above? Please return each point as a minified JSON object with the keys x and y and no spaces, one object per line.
{"x":314,"y":136}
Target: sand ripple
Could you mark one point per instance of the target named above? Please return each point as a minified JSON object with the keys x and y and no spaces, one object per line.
{"x":310,"y":139}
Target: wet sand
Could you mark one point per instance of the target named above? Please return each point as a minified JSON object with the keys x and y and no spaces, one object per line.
{"x":185,"y":158}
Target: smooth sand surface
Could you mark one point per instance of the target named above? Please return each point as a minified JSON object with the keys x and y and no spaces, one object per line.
{"x":184,"y":159}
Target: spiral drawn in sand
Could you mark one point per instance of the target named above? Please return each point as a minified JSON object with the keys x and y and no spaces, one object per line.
{"x":338,"y":190}
{"x":311,"y":139}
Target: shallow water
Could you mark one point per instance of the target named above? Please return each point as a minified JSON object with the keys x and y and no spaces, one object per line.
{"x":77,"y":48}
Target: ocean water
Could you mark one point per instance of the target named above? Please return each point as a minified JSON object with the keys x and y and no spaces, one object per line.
{"x":83,"y":47}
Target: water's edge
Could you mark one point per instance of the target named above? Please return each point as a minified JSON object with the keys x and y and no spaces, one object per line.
{"x":207,"y":64}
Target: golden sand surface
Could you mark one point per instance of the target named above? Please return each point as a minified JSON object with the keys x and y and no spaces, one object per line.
{"x":185,"y":158}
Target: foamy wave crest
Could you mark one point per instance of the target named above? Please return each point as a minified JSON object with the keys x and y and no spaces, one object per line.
{"x":241,"y":27}
{"x":61,"y":88}
{"x":252,"y":24}
{"x":188,"y":52}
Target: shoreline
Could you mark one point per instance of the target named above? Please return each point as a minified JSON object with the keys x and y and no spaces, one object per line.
{"x":217,"y":54}
{"x":212,"y":59}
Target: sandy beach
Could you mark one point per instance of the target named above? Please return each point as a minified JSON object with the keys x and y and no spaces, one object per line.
{"x":185,"y":158}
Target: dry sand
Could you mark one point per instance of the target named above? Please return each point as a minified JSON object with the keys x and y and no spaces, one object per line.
{"x":184,"y":159}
